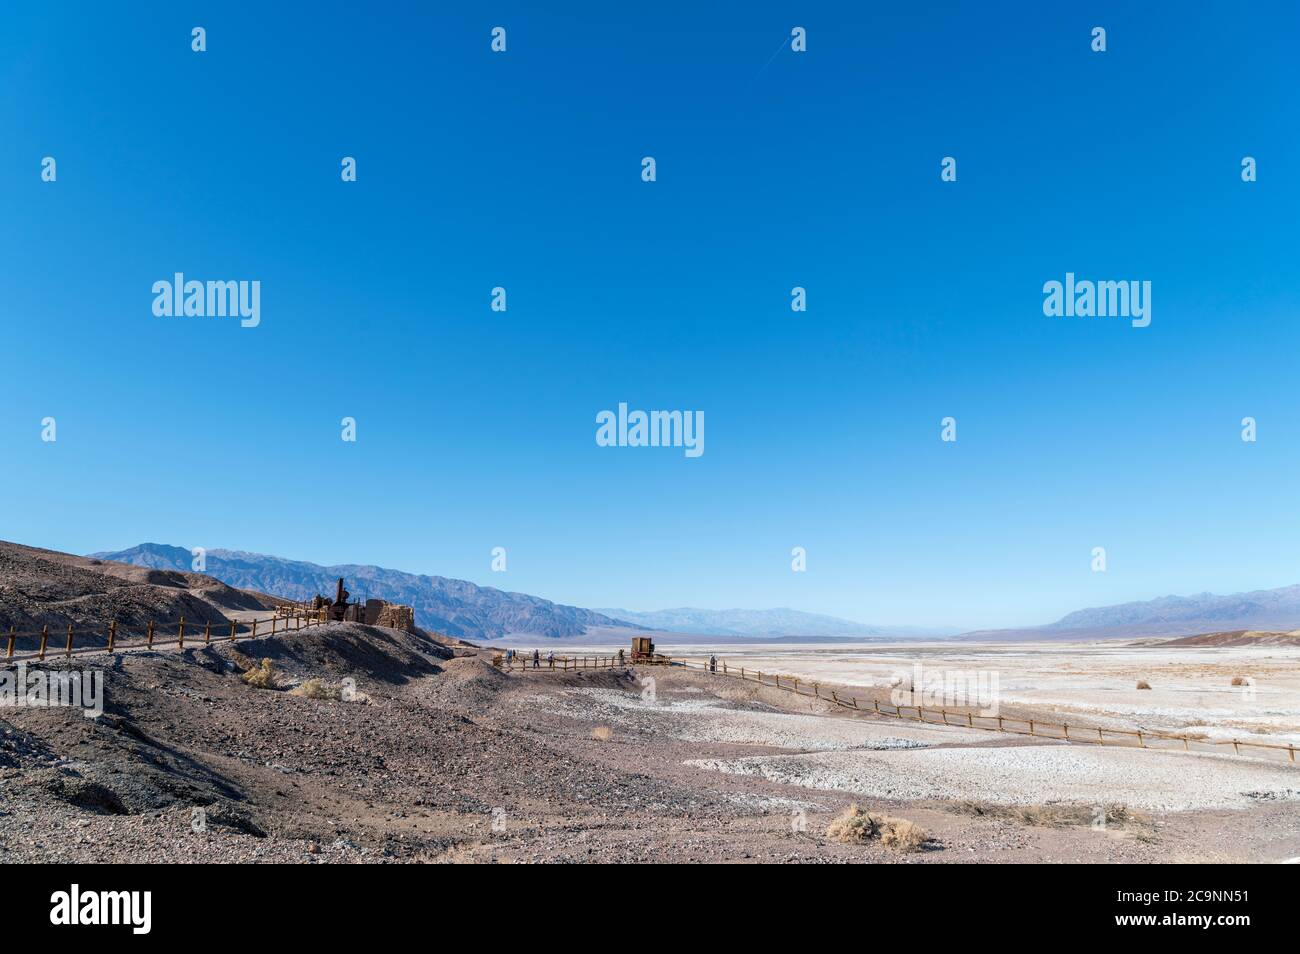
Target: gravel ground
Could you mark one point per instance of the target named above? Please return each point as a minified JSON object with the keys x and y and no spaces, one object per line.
{"x":440,"y":758}
{"x":713,"y":720}
{"x":1032,"y":774}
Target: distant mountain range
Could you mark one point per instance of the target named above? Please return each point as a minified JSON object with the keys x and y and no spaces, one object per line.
{"x":452,"y":607}
{"x":761,"y":623}
{"x":460,"y":608}
{"x":1269,"y":610}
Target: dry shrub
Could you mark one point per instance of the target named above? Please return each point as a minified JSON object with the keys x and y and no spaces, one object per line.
{"x":1143,"y":684}
{"x":853,"y":825}
{"x":316,"y":689}
{"x":902,"y":835}
{"x":602,"y":733}
{"x":262,"y":676}
{"x":1055,"y":816}
{"x":1240,"y":681}
{"x":856,"y":826}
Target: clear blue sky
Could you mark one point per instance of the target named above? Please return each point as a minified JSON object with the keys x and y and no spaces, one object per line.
{"x":476,"y":429}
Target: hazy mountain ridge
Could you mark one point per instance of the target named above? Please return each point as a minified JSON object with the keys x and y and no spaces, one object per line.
{"x":453,"y":607}
{"x":782,"y":621}
{"x":1277,"y":609}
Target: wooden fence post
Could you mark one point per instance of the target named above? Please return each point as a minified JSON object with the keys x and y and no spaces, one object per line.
{"x":13,"y":635}
{"x":45,"y":635}
{"x":232,"y":630}
{"x":207,"y":633}
{"x":149,"y":636}
{"x":253,"y":635}
{"x":112,"y":635}
{"x":1031,"y":726}
{"x":1141,"y":744}
{"x":180,"y":635}
{"x":68,"y":651}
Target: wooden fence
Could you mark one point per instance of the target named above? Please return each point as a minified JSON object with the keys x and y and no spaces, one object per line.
{"x":59,"y":644}
{"x":956,"y":718}
{"x":553,"y":663}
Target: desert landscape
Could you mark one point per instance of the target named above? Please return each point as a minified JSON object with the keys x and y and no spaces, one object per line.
{"x":1220,"y":686}
{"x":348,"y":742}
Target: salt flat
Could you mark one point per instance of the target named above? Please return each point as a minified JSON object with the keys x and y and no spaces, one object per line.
{"x":1030,"y":774}
{"x":875,"y":758}
{"x":1191,"y":687}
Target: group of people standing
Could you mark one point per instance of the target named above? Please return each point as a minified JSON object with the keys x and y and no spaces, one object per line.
{"x":512,"y":655}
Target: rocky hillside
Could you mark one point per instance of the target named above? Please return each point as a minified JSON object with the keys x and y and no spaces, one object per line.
{"x":454,"y":607}
{"x":1235,"y":638}
{"x":46,"y":588}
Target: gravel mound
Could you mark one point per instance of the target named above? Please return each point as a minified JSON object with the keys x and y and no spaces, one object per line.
{"x":337,"y":650}
{"x":467,"y":682}
{"x":44,"y":588}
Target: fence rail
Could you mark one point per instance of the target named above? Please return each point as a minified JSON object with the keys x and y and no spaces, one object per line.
{"x":60,"y":644}
{"x":963,"y":718}
{"x":553,"y":663}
